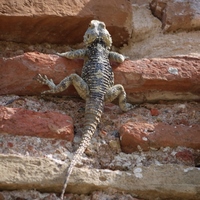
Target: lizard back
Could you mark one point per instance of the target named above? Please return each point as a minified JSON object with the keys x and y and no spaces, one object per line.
{"x":98,"y":75}
{"x":97,"y":72}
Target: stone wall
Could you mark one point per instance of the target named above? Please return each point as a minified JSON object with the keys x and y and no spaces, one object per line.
{"x":62,"y":22}
{"x":151,"y":152}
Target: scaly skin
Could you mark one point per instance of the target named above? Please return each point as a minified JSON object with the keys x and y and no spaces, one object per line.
{"x":95,"y":85}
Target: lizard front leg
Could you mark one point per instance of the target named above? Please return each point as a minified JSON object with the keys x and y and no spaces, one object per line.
{"x":117,"y":57}
{"x":79,"y":53}
{"x":118,"y":91}
{"x":74,"y":79}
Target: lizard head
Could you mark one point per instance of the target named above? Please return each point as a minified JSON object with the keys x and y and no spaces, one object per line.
{"x":97,"y":29}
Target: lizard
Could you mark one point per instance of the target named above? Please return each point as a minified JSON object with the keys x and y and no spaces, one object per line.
{"x":95,"y":85}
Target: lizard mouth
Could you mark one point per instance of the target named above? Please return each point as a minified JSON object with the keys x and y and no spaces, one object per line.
{"x":97,"y":30}
{"x":90,"y":38}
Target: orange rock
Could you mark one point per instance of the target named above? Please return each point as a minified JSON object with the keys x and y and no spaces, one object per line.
{"x":134,"y":136}
{"x":177,"y":15}
{"x":17,"y":121}
{"x":144,"y":80}
{"x":186,"y":157}
{"x":175,"y":78}
{"x":18,"y":73}
{"x":154,"y":112}
{"x":62,"y":22}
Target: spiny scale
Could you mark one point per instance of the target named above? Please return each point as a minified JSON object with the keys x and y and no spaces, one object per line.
{"x":98,"y":62}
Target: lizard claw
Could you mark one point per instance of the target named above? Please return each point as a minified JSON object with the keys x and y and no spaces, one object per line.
{"x":129,"y":107}
{"x":40,"y":78}
{"x":126,"y":58}
{"x":43,"y":79}
{"x":46,"y":92}
{"x":58,"y":54}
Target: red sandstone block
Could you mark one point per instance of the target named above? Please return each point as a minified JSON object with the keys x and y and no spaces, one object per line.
{"x":144,"y":80}
{"x":18,"y":121}
{"x":146,"y":136}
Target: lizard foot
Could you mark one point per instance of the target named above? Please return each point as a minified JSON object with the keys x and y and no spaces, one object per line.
{"x":129,"y":107}
{"x":60,"y":54}
{"x":45,"y":81}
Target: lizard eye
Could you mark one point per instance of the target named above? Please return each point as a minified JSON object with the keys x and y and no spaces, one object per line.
{"x":91,"y":25}
{"x":102,"y":25}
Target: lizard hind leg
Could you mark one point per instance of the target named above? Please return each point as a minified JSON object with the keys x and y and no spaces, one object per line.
{"x":74,"y":79}
{"x":118,"y":91}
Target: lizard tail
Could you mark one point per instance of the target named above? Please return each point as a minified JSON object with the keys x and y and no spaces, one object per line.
{"x":93,"y":113}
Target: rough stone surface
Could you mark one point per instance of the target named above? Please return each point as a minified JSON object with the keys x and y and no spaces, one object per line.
{"x":104,"y":150}
{"x":61,"y":22}
{"x":17,"y":121}
{"x":169,"y":181}
{"x":172,"y":74}
{"x":177,"y":15}
{"x":143,"y":23}
{"x":26,"y":67}
{"x":160,"y":78}
{"x":144,"y":80}
{"x":136,"y":136}
{"x":185,"y":156}
{"x":147,"y":39}
{"x":164,"y":45}
{"x":96,"y":195}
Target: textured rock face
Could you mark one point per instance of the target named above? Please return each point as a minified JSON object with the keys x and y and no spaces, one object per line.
{"x":177,"y":78}
{"x":148,"y":40}
{"x":143,"y":23}
{"x":162,"y":67}
{"x":65,"y":23}
{"x":28,"y":66}
{"x":17,"y":121}
{"x":145,"y":79}
{"x":177,"y":15}
{"x":169,"y":181}
{"x":136,"y":136}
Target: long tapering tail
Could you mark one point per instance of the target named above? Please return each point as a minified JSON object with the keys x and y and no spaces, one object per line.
{"x":93,"y":113}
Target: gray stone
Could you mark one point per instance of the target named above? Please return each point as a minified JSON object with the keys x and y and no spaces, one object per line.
{"x":153,"y":182}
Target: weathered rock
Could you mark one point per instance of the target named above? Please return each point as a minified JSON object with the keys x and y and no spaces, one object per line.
{"x":144,"y":24}
{"x":62,"y":22}
{"x":134,"y":136}
{"x":186,"y":157}
{"x":177,"y":15}
{"x":159,"y":45}
{"x":33,"y":194}
{"x":160,"y":78}
{"x":48,"y":124}
{"x":144,"y":80}
{"x":169,"y":181}
{"x":18,"y":73}
{"x":154,"y":112}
